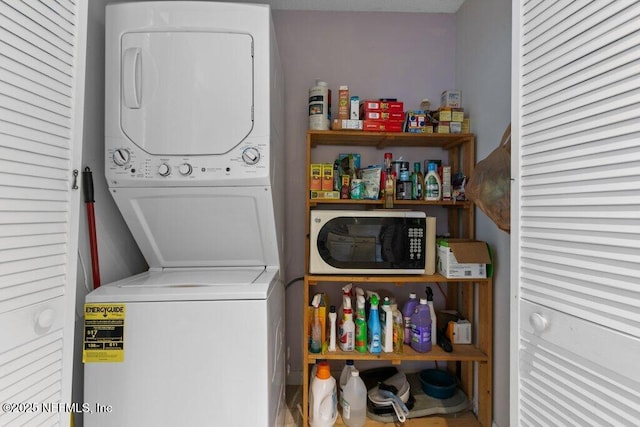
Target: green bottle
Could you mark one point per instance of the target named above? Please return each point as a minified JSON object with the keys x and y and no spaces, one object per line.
{"x":417,"y":183}
{"x":361,"y":326}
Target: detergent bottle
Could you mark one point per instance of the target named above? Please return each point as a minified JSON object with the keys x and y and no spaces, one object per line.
{"x":323,"y":404}
{"x":373,"y":327}
{"x":407,"y":311}
{"x":421,"y":327}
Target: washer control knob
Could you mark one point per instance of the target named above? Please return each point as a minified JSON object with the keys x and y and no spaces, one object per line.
{"x":121,"y":156}
{"x":185,"y":169}
{"x":164,"y":170}
{"x":251,"y":155}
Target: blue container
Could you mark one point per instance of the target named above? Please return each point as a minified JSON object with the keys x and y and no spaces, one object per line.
{"x":437,"y":383}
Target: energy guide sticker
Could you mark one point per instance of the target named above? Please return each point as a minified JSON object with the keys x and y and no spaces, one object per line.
{"x":103,"y":333}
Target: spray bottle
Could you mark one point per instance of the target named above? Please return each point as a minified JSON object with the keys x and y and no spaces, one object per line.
{"x":373,"y":327}
{"x":347,"y":331}
{"x":361,"y":325}
{"x":346,"y":295}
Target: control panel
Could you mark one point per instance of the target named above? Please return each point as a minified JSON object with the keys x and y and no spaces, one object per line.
{"x":128,"y":163}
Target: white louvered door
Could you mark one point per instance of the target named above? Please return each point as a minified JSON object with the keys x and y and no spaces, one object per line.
{"x":42,"y":63}
{"x":575,"y":342}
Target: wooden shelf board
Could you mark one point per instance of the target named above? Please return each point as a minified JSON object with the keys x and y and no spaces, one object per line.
{"x":382,"y":140}
{"x":398,"y":279}
{"x":461,"y":352}
{"x":408,"y":203}
{"x":463,"y":419}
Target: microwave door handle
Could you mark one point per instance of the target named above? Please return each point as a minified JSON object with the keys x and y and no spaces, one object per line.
{"x":131,"y":77}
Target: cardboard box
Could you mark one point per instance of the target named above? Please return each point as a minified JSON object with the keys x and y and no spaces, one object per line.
{"x":369,"y":105}
{"x":459,"y":332}
{"x":383,"y":115}
{"x":327,"y":177}
{"x":467,"y":259}
{"x":383,"y":125}
{"x":446,"y":183}
{"x":451,"y":98}
{"x":455,"y":127}
{"x":343,"y":102}
{"x":316,"y":176}
{"x":443,"y":114}
{"x":346,"y":124}
{"x":442,"y":127}
{"x":466,"y":126}
{"x":457,"y":114}
{"x":354,"y":110}
{"x":322,"y":314}
{"x":321,"y":194}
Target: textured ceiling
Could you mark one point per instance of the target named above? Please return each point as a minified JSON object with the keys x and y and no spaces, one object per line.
{"x":426,"y":6}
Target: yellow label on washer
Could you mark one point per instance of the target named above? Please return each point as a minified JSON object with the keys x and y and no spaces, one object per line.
{"x":103,"y":333}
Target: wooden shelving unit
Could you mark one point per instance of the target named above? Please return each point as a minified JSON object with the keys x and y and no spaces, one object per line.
{"x":460,"y":292}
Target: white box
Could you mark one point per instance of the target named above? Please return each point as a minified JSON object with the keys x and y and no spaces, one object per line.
{"x":451,"y":98}
{"x":354,"y":109}
{"x":459,"y":332}
{"x":466,"y":259}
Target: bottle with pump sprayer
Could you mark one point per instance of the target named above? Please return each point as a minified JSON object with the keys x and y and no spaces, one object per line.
{"x":361,"y":325}
{"x":373,"y":327}
{"x":332,"y":328}
{"x":315,"y":345}
{"x":347,"y":333}
{"x":346,"y":295}
{"x":432,"y":312}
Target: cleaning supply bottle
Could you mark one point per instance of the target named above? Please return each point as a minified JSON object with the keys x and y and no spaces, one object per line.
{"x":323,"y":403}
{"x":354,"y":401}
{"x":407,"y":311}
{"x":432,"y":183}
{"x":421,"y":327}
{"x":417,"y":183}
{"x":398,"y":329}
{"x":432,"y":313}
{"x":348,"y":330}
{"x":346,"y":296}
{"x":361,"y":326}
{"x":315,"y":344}
{"x":373,"y":327}
{"x":345,"y":375}
{"x":386,"y":324}
{"x":332,"y":328}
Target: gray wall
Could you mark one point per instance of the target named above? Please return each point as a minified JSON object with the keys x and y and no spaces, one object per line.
{"x":483,"y":73}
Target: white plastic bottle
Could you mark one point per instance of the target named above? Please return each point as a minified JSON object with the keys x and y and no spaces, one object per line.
{"x":345,"y":375}
{"x":386,"y":324}
{"x":323,"y":407}
{"x":432,"y":183}
{"x":432,"y":312}
{"x":354,"y":401}
{"x":348,"y":331}
{"x":332,"y":328}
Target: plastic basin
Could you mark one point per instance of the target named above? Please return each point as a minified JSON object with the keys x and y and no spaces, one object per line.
{"x":437,"y":383}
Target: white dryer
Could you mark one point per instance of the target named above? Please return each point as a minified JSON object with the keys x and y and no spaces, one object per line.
{"x":193,"y":143}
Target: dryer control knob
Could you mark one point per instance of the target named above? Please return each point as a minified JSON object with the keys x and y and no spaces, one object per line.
{"x":164,"y":170}
{"x":185,"y":169}
{"x":121,"y":156}
{"x":251,"y":155}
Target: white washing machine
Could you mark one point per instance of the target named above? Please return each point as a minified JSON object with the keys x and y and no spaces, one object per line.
{"x":194,"y":133}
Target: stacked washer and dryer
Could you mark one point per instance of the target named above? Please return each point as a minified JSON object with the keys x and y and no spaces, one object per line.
{"x":194,"y":145}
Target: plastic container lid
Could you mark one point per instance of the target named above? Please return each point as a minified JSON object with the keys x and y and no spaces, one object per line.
{"x":323,"y":372}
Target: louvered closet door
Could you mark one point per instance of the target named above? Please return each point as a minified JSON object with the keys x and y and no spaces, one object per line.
{"x":41,"y":92}
{"x":576,"y":212}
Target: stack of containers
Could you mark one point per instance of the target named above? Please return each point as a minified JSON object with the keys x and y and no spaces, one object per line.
{"x":382,"y":115}
{"x":450,"y":115}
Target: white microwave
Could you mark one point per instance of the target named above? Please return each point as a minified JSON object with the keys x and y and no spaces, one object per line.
{"x":367,"y":242}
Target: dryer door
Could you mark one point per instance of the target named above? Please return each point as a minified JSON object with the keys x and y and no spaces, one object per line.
{"x":186,"y":93}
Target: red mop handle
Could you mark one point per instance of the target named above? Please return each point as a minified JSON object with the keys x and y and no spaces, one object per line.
{"x":87,"y":179}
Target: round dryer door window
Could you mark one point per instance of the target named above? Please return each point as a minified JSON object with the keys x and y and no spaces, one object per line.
{"x":186,"y":93}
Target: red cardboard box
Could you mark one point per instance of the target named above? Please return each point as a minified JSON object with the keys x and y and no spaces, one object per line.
{"x":383,"y":115}
{"x":383,"y":125}
{"x":371,"y":105}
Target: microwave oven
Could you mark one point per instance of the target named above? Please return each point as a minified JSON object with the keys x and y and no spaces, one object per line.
{"x":368,"y":242}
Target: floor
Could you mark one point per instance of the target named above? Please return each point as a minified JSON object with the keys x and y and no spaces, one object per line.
{"x":294,"y":406}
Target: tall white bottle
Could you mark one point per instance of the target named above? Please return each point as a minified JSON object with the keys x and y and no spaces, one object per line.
{"x":354,"y":401}
{"x":432,"y":312}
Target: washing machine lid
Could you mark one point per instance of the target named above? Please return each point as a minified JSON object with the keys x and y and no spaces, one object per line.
{"x":202,"y":226}
{"x":210,"y":284}
{"x":186,"y":92}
